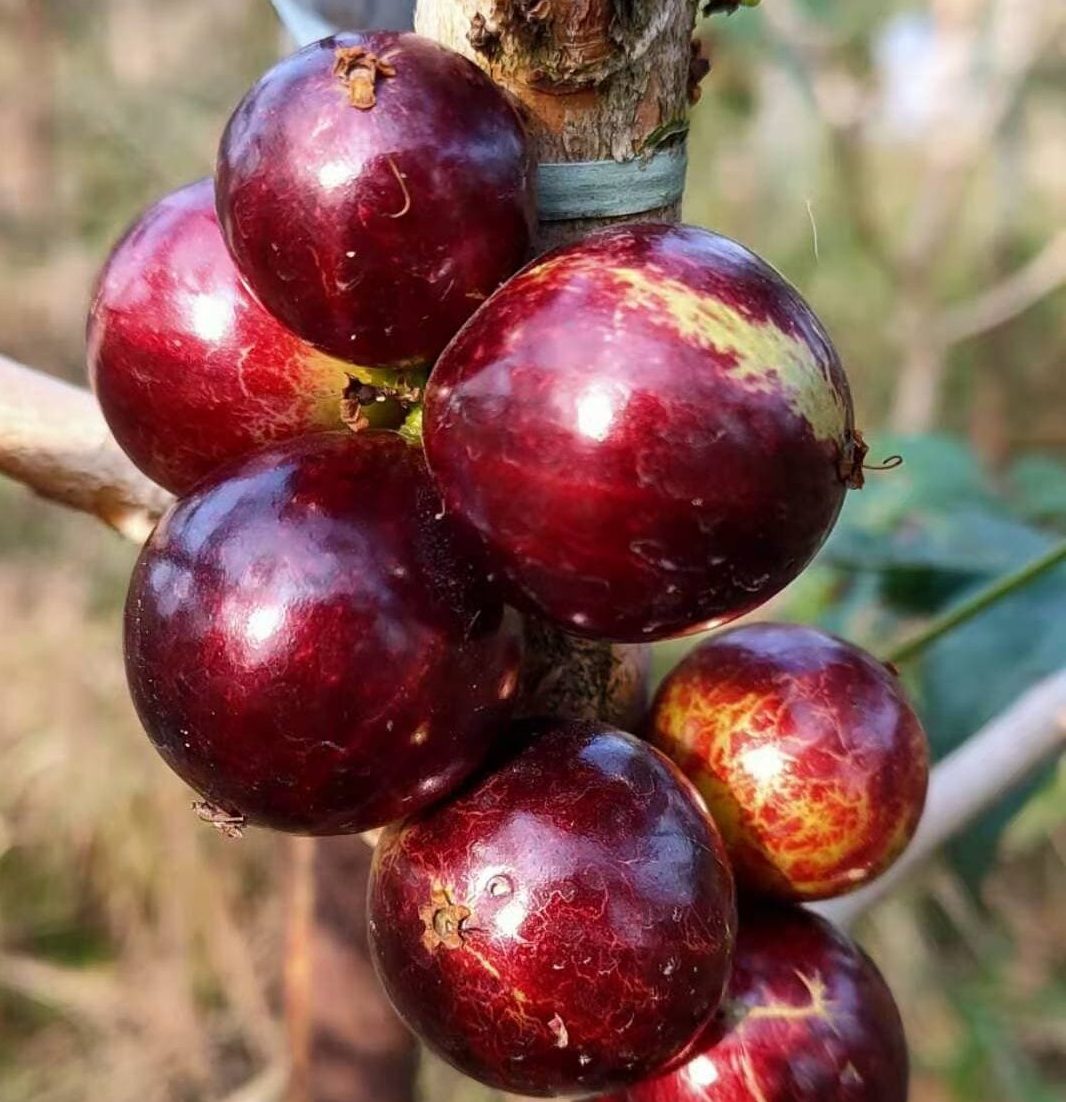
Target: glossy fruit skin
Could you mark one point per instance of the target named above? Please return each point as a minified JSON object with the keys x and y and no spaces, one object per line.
{"x":807,"y":751}
{"x":646,"y":430}
{"x":190,"y":371}
{"x":304,"y":647}
{"x":808,"y":1018}
{"x":563,"y":925}
{"x":374,"y":234}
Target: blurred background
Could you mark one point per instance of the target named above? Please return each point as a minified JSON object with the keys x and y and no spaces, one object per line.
{"x":905,"y":165}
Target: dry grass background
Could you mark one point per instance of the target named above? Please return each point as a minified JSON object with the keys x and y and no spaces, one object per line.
{"x":139,"y":952}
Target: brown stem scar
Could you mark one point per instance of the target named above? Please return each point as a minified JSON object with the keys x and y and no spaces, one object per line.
{"x":358,"y":70}
{"x":228,"y":823}
{"x":443,"y":920}
{"x":852,"y":458}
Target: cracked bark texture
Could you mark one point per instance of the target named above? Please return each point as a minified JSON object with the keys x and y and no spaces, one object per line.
{"x":597,"y":79}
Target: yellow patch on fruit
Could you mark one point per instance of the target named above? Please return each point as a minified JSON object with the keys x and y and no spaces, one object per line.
{"x":330,"y":377}
{"x":323,"y":380}
{"x":790,"y":835}
{"x":767,"y":358}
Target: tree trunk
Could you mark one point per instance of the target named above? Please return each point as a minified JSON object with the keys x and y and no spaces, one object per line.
{"x":598,"y":78}
{"x":346,"y":1043}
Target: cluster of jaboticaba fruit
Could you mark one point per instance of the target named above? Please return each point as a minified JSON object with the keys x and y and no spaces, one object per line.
{"x":384,"y":441}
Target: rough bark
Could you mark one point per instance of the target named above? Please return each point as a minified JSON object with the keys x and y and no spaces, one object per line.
{"x":598,"y":78}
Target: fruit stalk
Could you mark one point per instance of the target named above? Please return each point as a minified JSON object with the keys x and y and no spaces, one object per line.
{"x":976,"y":604}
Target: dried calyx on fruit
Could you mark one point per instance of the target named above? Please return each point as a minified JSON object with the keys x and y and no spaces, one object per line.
{"x":358,"y":69}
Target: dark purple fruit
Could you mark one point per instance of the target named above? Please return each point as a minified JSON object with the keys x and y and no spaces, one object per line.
{"x":808,"y":1018}
{"x":304,"y":647}
{"x":190,"y":371}
{"x":565,"y":923}
{"x":374,"y":189}
{"x":649,"y":431}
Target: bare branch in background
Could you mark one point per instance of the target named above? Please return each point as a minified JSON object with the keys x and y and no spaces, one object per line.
{"x":1000,"y":43}
{"x":994,"y":46}
{"x":86,"y":995}
{"x":54,"y":439}
{"x":268,"y":1086}
{"x":845,"y":105}
{"x":1042,"y":276}
{"x":987,"y":766}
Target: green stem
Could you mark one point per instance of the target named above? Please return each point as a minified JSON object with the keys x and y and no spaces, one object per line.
{"x":976,"y":604}
{"x":411,"y":429}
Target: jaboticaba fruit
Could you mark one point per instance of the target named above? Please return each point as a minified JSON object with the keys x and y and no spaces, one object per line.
{"x":808,"y":1018}
{"x":649,"y":430}
{"x":190,"y":371}
{"x":374,"y":189}
{"x":806,"y":750}
{"x":564,"y":924}
{"x":305,"y":648}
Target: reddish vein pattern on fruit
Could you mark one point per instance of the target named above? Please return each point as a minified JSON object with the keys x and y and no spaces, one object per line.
{"x":596,"y":915}
{"x":646,"y":431}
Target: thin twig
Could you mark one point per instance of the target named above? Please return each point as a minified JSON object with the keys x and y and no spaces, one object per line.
{"x":979,"y":773}
{"x":983,"y":599}
{"x":1043,"y":275}
{"x":54,"y":439}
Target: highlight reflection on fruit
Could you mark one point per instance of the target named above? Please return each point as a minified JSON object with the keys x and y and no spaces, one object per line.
{"x":807,"y":1018}
{"x":305,"y":647}
{"x":565,"y":923}
{"x":648,"y":430}
{"x":807,"y":752}
{"x":190,"y":371}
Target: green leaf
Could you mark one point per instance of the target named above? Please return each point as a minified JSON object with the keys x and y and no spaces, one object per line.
{"x":1039,"y":485}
